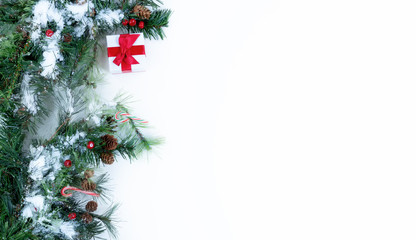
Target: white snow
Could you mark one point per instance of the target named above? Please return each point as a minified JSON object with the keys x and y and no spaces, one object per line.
{"x":70,"y":98}
{"x":110,"y":16}
{"x":44,"y":161}
{"x":37,"y":201}
{"x":96,"y":120}
{"x":70,"y":140}
{"x":43,"y":12}
{"x":40,"y":13}
{"x":68,"y":229}
{"x":36,"y":151}
{"x":51,"y":55}
{"x":55,"y":163}
{"x":78,"y":11}
{"x":54,"y":225}
{"x":87,"y":23}
{"x":44,"y":167}
{"x":28,"y":98}
{"x":27,"y":212}
{"x":37,"y":168}
{"x":33,"y":205}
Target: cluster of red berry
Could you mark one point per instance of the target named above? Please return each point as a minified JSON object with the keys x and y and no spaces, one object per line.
{"x":132,"y":22}
{"x":68,"y":164}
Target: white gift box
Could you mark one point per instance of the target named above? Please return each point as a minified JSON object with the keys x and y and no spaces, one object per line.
{"x":127,"y":54}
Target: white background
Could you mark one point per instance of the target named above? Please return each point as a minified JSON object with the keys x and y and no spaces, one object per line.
{"x":289,"y":119}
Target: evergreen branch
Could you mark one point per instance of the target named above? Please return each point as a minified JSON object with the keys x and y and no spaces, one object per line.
{"x":57,"y":130}
{"x":13,"y":228}
{"x":139,"y":134}
{"x":18,"y":68}
{"x":153,"y":27}
{"x":107,"y":219}
{"x":68,"y":92}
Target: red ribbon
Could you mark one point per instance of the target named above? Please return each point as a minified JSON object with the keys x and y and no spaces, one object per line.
{"x":78,"y":190}
{"x":124,"y":53}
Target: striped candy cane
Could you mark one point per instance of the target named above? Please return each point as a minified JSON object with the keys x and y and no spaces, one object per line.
{"x":78,"y":190}
{"x":124,"y":117}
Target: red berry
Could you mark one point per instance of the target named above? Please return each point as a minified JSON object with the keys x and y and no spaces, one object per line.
{"x":132,"y":22}
{"x":49,"y":33}
{"x":125,"y":22}
{"x":68,"y":163}
{"x":72,"y":216}
{"x":90,"y":145}
{"x":141,"y":24}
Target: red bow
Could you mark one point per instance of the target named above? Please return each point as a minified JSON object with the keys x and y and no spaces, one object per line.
{"x":124,"y":53}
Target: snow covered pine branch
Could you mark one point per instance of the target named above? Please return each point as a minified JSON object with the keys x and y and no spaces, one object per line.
{"x":55,"y":131}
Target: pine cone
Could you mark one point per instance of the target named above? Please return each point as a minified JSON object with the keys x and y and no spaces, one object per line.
{"x":67,"y":37}
{"x":89,"y":173}
{"x":142,"y":12}
{"x":91,"y":206}
{"x":19,"y":29}
{"x":93,"y":12}
{"x":110,"y":120}
{"x":21,"y":111}
{"x":86,"y":217}
{"x":107,"y":158}
{"x":88,"y":185}
{"x":110,"y":142}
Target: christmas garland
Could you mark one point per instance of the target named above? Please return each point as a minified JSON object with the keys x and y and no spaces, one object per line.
{"x":55,"y":131}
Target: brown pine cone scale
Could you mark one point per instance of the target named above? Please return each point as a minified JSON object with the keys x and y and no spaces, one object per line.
{"x":89,"y":173}
{"x":67,"y":37}
{"x":91,"y":206}
{"x":107,"y":158}
{"x":142,"y":11}
{"x":86,"y":217}
{"x":110,"y":142}
{"x":88,"y":185}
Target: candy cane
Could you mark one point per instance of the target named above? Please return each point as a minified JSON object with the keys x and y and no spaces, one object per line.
{"x":126,"y":117}
{"x":78,"y":190}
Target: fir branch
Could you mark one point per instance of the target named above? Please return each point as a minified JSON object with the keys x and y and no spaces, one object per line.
{"x":13,"y":165}
{"x":57,"y":130}
{"x":68,"y":91}
{"x":11,"y":62}
{"x":101,"y":189}
{"x":153,"y":27}
{"x":107,"y":219}
{"x":14,"y":228}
